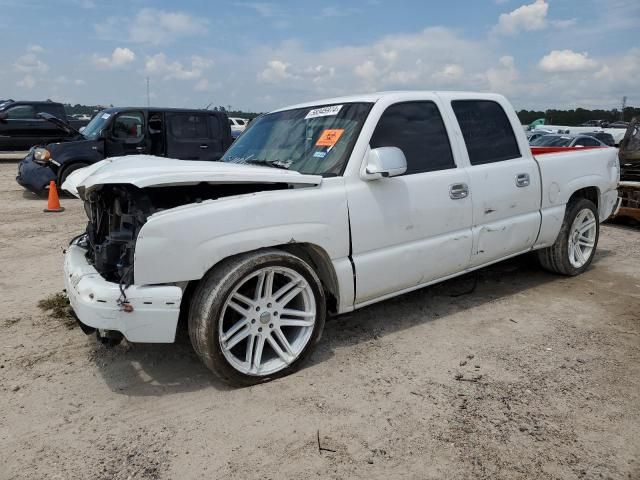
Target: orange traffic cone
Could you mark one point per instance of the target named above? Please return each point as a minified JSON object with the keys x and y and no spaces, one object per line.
{"x":53,"y":204}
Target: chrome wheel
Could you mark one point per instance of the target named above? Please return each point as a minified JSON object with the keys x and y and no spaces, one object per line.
{"x":582,"y":238}
{"x":267,"y":321}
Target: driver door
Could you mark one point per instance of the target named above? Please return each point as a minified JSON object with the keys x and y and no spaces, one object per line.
{"x":415,"y":228}
{"x":127,"y":135}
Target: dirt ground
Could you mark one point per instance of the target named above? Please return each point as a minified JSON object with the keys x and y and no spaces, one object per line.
{"x":530,"y":375}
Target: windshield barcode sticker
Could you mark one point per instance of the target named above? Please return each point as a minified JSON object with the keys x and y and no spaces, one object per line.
{"x":323,"y":112}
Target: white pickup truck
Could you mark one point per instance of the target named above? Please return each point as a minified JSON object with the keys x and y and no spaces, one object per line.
{"x":323,"y":208}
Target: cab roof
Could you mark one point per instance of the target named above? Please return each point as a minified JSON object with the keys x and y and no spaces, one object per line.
{"x":395,"y":94}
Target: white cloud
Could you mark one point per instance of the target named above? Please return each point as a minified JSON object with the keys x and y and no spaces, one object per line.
{"x":525,"y":18}
{"x":158,"y":27}
{"x":30,"y":63}
{"x":276,"y":71}
{"x":158,"y":64}
{"x":27,"y":82}
{"x":502,"y":79}
{"x":366,"y":70}
{"x":79,"y":82}
{"x":450,"y":72}
{"x":35,"y":49}
{"x":567,"y":61}
{"x":120,"y":57}
{"x":202,"y":85}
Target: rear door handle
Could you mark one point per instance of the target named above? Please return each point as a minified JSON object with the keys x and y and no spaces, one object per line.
{"x":458,"y":191}
{"x":523,"y":180}
{"x":140,"y":149}
{"x":204,"y":146}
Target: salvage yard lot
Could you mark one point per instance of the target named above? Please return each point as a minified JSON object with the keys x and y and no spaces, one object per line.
{"x":522,"y":375}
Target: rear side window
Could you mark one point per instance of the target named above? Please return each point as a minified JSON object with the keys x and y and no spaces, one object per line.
{"x":188,"y":126}
{"x":55,"y":110}
{"x":21,"y":112}
{"x":215,"y":126}
{"x":417,"y":129}
{"x":486,"y":130}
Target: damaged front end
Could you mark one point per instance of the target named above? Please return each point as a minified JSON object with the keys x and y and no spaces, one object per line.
{"x":117,"y":212}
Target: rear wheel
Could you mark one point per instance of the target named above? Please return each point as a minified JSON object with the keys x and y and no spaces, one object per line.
{"x":573,"y":250}
{"x":257,"y":316}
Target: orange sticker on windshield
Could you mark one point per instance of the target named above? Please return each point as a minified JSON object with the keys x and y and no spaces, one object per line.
{"x":329,"y":137}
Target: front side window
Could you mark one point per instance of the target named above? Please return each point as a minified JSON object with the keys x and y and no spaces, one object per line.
{"x":314,"y":140}
{"x":186,"y":126}
{"x":486,"y":130}
{"x":21,"y":112}
{"x":417,"y":129}
{"x":129,"y":126}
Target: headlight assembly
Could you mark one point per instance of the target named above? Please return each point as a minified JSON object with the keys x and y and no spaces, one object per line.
{"x":41,"y":155}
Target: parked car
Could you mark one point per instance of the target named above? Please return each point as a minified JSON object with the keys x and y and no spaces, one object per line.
{"x":22,"y":126}
{"x":114,"y":132}
{"x":320,"y":208}
{"x":619,"y":124}
{"x":594,"y":123}
{"x":535,"y":134}
{"x":239,"y":123}
{"x":604,"y":137}
{"x":567,"y":140}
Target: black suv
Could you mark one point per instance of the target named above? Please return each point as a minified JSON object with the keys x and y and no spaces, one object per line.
{"x":22,"y":126}
{"x":115,"y":132}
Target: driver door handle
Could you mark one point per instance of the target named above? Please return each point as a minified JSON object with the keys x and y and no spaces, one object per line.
{"x":458,"y":191}
{"x":140,"y":149}
{"x":204,"y":146}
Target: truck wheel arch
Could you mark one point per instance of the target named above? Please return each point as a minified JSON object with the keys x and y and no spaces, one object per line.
{"x":590,"y":193}
{"x":314,"y":255}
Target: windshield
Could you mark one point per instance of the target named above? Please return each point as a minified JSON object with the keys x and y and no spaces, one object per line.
{"x":314,"y":140}
{"x":94,"y":128}
{"x":551,"y":141}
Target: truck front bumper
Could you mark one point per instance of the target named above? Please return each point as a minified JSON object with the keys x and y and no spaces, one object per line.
{"x":33,"y":176}
{"x":95,"y":301}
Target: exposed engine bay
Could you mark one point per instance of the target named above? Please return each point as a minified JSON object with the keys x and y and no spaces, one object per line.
{"x":117,"y":212}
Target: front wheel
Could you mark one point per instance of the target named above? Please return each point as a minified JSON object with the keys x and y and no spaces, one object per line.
{"x":573,"y":250}
{"x":257,"y":316}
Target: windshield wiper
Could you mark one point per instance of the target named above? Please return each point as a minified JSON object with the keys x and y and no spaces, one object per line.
{"x":270,"y":163}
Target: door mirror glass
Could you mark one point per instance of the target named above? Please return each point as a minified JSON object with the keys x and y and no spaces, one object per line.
{"x":3,"y":116}
{"x":385,"y":162}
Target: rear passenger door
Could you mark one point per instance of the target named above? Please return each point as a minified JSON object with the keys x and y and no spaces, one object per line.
{"x":415,"y":228}
{"x":190,"y":136}
{"x":504,"y":182}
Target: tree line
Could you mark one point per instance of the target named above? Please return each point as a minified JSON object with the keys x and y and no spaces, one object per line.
{"x":577,"y":116}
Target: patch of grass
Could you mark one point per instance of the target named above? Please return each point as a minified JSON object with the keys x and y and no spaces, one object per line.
{"x":57,"y":306}
{"x":11,"y":321}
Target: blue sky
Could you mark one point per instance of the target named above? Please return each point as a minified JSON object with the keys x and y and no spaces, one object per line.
{"x":262,"y":55}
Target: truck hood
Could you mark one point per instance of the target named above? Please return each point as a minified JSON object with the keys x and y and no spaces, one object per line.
{"x":149,"y":171}
{"x":61,"y":124}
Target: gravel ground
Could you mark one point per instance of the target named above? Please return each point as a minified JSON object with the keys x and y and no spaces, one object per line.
{"x":527,"y":375}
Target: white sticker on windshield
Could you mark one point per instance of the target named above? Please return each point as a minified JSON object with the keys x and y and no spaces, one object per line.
{"x":105,"y":116}
{"x":323,"y":112}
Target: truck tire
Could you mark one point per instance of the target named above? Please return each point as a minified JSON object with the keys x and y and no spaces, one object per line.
{"x":69,"y":170}
{"x":257,"y":316}
{"x":573,"y":250}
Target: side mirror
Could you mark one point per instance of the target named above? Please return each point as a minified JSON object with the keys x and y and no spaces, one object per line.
{"x":384,"y":162}
{"x":3,"y":116}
